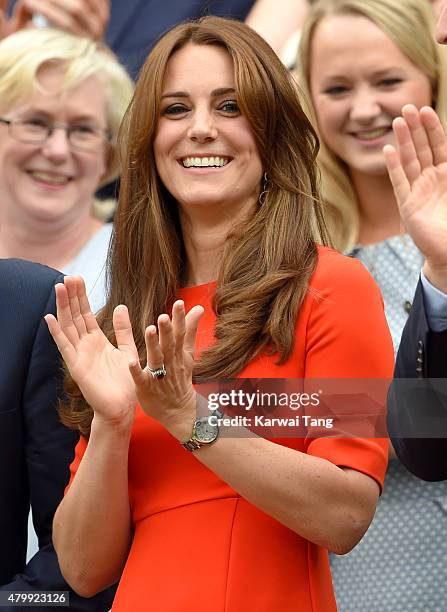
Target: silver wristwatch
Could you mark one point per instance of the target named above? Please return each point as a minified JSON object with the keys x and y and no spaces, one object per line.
{"x":204,"y":431}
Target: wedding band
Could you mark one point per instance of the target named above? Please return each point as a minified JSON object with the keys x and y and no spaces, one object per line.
{"x":158,"y":373}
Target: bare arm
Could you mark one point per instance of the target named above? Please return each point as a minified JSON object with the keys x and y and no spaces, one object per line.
{"x":323,"y":503}
{"x":92,"y":526}
{"x":277,"y":20}
{"x":327,"y":505}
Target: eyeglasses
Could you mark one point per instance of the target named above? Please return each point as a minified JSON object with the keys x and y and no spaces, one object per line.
{"x":36,"y":131}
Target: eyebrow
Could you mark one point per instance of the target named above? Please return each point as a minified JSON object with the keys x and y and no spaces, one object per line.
{"x":222,"y":91}
{"x":375,"y":74}
{"x":379,"y":73}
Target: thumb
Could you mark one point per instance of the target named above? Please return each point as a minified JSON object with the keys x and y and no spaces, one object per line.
{"x":123,"y":331}
{"x":192,"y":323}
{"x":137,"y":373}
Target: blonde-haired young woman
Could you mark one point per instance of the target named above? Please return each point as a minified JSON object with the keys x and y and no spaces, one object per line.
{"x":409,"y":24}
{"x":62,"y":99}
{"x":360,"y":63}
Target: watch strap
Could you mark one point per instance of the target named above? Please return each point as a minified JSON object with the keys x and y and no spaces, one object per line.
{"x":192,"y":444}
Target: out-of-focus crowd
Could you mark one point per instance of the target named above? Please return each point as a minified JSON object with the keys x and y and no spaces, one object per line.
{"x":371,"y":77}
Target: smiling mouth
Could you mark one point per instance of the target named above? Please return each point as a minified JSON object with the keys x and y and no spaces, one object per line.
{"x":49,"y":178}
{"x":204,"y":162}
{"x":372,"y":134}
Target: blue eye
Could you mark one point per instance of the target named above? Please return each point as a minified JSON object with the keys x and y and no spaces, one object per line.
{"x":230,"y":106}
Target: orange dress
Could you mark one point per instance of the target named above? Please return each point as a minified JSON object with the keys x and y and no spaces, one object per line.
{"x":201,"y":547}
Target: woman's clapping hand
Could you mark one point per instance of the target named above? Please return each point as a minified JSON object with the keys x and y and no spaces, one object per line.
{"x":111,"y":378}
{"x":100,"y":370}
{"x":170,"y":399}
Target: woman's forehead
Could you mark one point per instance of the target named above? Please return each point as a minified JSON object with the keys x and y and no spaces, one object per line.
{"x":209,"y":64}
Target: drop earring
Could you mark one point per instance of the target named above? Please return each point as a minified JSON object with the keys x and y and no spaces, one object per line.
{"x":264,"y":192}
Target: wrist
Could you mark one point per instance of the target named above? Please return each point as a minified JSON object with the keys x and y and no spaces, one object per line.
{"x":181,"y":422}
{"x":436,"y":275}
{"x":113,"y":427}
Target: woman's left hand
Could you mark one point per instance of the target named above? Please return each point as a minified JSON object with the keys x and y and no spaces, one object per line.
{"x":418,"y":173}
{"x":170,"y":399}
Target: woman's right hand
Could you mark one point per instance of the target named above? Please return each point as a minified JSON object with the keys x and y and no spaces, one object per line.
{"x":100,"y":370}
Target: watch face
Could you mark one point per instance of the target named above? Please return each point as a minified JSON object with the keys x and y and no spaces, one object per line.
{"x":204,"y":432}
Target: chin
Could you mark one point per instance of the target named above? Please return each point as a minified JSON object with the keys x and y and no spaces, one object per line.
{"x":377,"y":169}
{"x":201,"y":200}
{"x":45,"y":213}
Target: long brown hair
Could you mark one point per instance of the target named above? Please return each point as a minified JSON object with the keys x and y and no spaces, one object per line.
{"x":268,"y":258}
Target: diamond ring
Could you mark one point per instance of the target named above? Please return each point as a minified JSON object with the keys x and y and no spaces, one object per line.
{"x":157,"y":373}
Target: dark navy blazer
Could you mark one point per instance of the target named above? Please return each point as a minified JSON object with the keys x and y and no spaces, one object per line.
{"x":35,"y":448}
{"x":420,"y":408}
{"x":135,"y":25}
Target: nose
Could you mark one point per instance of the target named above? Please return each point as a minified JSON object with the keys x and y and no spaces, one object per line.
{"x":441,"y":28}
{"x":57,"y":145}
{"x":202,"y":127}
{"x":365,"y":105}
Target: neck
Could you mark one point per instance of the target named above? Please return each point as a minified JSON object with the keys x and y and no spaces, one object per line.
{"x":204,"y":236}
{"x":379,"y":214}
{"x":52,"y":244}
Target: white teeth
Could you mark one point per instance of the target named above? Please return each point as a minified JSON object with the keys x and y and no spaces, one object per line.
{"x":204,"y":162}
{"x":371,"y":134}
{"x":50,"y":178}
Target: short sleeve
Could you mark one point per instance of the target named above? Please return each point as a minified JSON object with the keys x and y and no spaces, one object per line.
{"x":348,"y":338}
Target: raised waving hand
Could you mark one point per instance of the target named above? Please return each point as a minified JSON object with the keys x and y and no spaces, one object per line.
{"x":418,"y":171}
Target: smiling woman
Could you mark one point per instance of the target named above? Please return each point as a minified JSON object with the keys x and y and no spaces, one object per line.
{"x":200,"y":120}
{"x":352,"y":89}
{"x":58,"y":129}
{"x":218,"y":224}
{"x":361,"y":64}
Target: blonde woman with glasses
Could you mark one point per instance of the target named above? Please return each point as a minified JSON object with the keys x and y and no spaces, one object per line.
{"x":62,"y":99}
